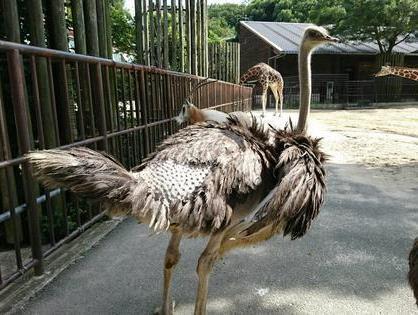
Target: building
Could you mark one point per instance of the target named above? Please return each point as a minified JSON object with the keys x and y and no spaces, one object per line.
{"x":339,"y":69}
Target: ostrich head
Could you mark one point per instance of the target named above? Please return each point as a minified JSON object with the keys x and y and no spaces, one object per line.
{"x":385,"y":70}
{"x":317,"y":35}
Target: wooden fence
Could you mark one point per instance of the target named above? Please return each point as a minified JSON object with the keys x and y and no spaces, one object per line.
{"x":224,"y":61}
{"x":124,"y":109}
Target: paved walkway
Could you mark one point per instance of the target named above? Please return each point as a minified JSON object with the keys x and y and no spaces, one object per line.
{"x":352,"y":261}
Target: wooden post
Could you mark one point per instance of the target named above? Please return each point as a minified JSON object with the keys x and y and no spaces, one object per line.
{"x":165,"y":35}
{"x":11,"y":20}
{"x":139,"y":32}
{"x":198,"y":39}
{"x":92,"y":38}
{"x":174,"y":40}
{"x":188,"y":35}
{"x":159,"y":30}
{"x":192,"y":38}
{"x":108,"y":22}
{"x":79,"y":26}
{"x":101,"y":28}
{"x":181,"y":36}
{"x":151,"y":32}
{"x":146,"y":35}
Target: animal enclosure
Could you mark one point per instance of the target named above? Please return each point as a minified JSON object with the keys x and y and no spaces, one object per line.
{"x":123,"y":109}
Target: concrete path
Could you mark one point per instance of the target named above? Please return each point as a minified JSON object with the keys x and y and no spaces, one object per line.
{"x":352,"y":261}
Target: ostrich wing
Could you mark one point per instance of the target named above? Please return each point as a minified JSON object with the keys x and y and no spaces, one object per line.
{"x":296,"y":199}
{"x":189,"y":179}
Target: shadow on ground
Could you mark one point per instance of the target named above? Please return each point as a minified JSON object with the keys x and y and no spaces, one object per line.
{"x":353,"y":260}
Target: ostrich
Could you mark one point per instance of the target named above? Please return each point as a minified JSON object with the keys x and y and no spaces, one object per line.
{"x":413,"y":269}
{"x":235,"y":184}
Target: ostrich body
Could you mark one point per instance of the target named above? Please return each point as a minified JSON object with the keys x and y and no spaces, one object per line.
{"x":413,"y":269}
{"x":234,"y":183}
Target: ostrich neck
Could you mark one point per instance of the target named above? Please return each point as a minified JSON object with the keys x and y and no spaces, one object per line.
{"x":305,"y":86}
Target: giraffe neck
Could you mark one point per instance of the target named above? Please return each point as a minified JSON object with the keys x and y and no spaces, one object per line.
{"x":407,"y":73}
{"x":253,"y":73}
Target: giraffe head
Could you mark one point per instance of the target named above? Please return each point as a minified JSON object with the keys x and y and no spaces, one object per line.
{"x":317,"y":35}
{"x":385,"y":70}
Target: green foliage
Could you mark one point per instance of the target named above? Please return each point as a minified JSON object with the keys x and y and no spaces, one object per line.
{"x":224,"y":21}
{"x":123,"y":28}
{"x":386,"y":22}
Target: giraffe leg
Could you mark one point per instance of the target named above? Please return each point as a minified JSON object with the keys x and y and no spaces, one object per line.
{"x":264,"y":101}
{"x":206,"y":261}
{"x":172,"y":256}
{"x":276,"y":99}
{"x":281,"y":101}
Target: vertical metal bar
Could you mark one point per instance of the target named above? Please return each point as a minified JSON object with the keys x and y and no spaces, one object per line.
{"x":80,"y":109}
{"x":131,"y":110}
{"x":100,"y":106}
{"x":91,"y":111}
{"x":110,"y":108}
{"x":9,"y":184}
{"x":53,"y":103}
{"x":125,"y":120}
{"x":144,"y":112}
{"x":17,"y":83}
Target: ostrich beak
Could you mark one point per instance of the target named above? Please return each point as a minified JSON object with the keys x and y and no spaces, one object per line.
{"x":332,"y":39}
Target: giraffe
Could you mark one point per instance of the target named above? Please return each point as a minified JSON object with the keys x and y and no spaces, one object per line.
{"x":267,"y":77}
{"x":407,"y":73}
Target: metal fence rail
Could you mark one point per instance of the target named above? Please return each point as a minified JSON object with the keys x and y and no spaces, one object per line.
{"x":124,"y":109}
{"x":338,"y":89}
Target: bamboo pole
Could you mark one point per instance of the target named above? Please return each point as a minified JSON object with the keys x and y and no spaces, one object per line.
{"x":181,"y":35}
{"x":79,"y":26}
{"x":198,"y":38}
{"x":192,"y":38}
{"x":92,"y":38}
{"x":165,"y":35}
{"x":174,"y":52}
{"x":159,"y":30}
{"x":101,"y":28}
{"x":108,"y":22}
{"x":188,"y":35}
{"x":151,"y":32}
{"x":139,"y":32}
{"x":145,"y":31}
{"x":11,"y":21}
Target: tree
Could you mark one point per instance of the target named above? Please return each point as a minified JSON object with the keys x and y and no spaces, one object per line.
{"x":224,"y":20}
{"x":123,"y":28}
{"x":385,"y":22}
{"x":280,"y":10}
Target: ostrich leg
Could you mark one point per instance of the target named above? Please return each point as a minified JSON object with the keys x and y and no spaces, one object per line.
{"x":172,"y":256}
{"x":204,"y":267}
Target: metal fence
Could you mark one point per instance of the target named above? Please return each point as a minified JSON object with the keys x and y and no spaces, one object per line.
{"x":338,"y":89}
{"x":121,"y":108}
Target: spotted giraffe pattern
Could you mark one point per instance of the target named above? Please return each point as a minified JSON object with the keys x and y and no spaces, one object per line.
{"x":407,"y":73}
{"x":267,"y":77}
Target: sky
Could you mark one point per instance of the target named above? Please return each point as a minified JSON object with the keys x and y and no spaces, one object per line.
{"x":130,"y":4}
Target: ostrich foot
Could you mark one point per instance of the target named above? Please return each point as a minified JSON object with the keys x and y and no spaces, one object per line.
{"x":160,"y":310}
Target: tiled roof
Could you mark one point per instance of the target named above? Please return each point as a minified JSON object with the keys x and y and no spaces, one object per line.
{"x":285,"y":37}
